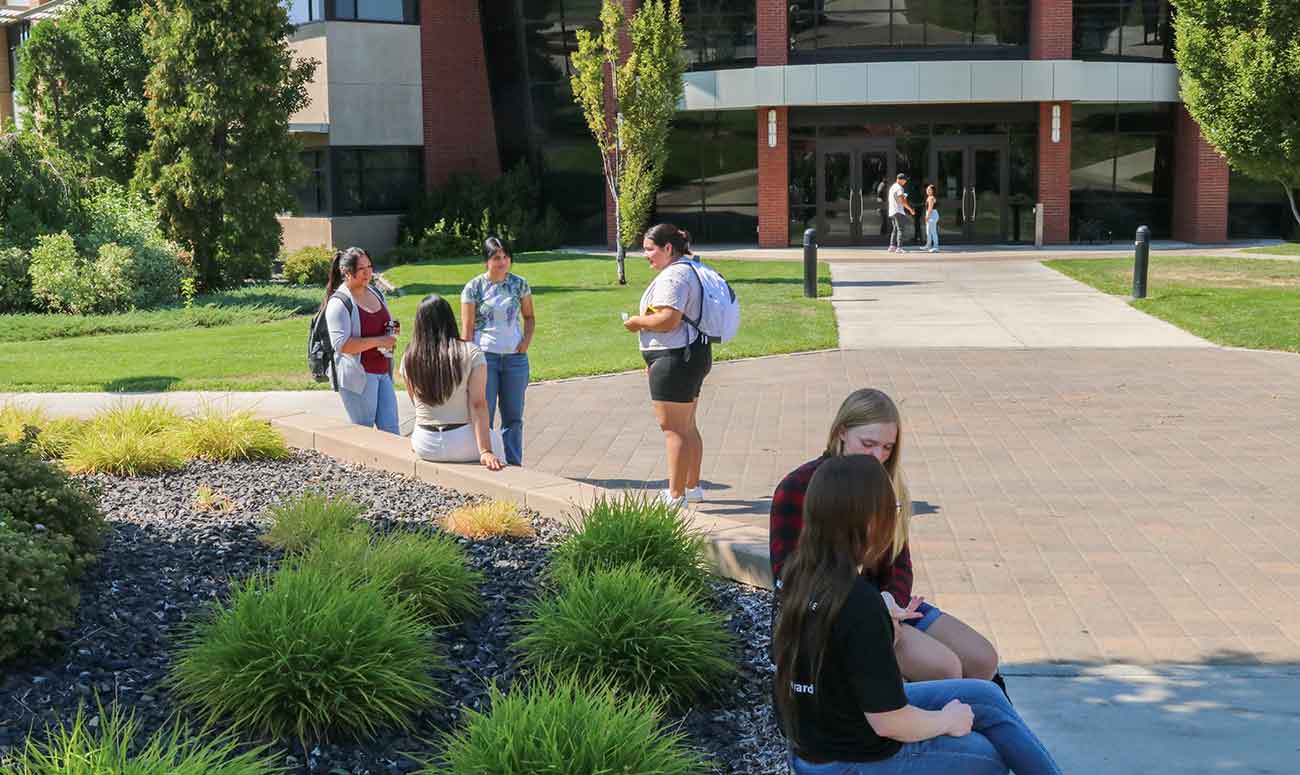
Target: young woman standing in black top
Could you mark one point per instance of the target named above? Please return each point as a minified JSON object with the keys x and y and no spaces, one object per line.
{"x":841,"y":699}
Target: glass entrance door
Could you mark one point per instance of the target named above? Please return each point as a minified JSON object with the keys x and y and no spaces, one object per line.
{"x":972,"y":174}
{"x":853,"y":180}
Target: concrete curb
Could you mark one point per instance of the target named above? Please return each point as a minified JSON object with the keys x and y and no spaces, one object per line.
{"x":735,"y":550}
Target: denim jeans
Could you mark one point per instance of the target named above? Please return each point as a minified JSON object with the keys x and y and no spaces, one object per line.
{"x":375,"y":406}
{"x":999,"y":739}
{"x":507,"y":379}
{"x":932,"y":234}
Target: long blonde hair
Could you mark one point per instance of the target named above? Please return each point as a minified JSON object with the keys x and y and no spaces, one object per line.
{"x":868,"y":406}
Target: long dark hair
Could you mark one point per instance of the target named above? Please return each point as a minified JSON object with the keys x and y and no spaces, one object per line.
{"x":668,"y":234}
{"x":848,"y":521}
{"x":490,"y":247}
{"x":434,"y":362}
{"x":344,"y":261}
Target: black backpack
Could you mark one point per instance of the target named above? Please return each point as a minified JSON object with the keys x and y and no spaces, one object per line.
{"x":320,"y":350}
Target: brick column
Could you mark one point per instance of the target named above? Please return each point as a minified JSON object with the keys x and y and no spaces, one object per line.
{"x":773,"y":32}
{"x":459,"y":134}
{"x":1054,"y":173}
{"x":6,"y":96}
{"x":1051,"y":29}
{"x":774,"y":181}
{"x":1200,"y":185}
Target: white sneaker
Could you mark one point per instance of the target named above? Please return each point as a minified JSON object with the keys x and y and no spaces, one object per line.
{"x":934,"y":250}
{"x":665,"y":496}
{"x":901,"y":250}
{"x":695,"y":494}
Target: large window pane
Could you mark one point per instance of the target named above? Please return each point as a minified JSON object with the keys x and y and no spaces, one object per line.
{"x":1123,"y":29}
{"x":375,"y":180}
{"x":827,"y":25}
{"x":1121,"y":171}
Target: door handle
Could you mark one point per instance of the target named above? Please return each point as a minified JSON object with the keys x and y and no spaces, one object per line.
{"x":861,"y":206}
{"x":974,"y":204}
{"x":851,"y":193}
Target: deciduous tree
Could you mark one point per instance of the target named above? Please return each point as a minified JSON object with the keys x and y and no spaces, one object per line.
{"x":221,"y":163}
{"x":644,"y":83}
{"x":1240,"y":64}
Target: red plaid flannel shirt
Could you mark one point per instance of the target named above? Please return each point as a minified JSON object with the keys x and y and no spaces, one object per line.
{"x":786,"y":522}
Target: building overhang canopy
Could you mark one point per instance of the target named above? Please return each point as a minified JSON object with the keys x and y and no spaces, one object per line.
{"x":13,"y":14}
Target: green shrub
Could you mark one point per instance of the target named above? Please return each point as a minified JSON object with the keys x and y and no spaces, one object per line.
{"x":633,"y":529}
{"x":15,"y":284}
{"x":109,"y":745}
{"x":213,"y":435}
{"x":428,"y":572}
{"x":449,"y":240}
{"x":39,"y":191}
{"x":308,"y":653}
{"x":61,"y":280}
{"x":633,"y":628}
{"x":155,"y":268}
{"x":309,"y":266}
{"x":37,"y":594}
{"x":37,"y":497}
{"x":402,"y":254}
{"x":510,"y":206}
{"x":566,"y":727}
{"x":299,"y":524}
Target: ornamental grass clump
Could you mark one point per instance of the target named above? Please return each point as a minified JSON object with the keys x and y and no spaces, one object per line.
{"x":569,"y":727}
{"x":128,"y":440}
{"x":427,"y":572}
{"x":107,"y":744}
{"x":212,"y":435}
{"x":57,"y":435}
{"x":15,"y":418}
{"x":636,"y":629}
{"x":488,"y":520}
{"x":309,"y":654}
{"x":299,"y":524}
{"x":633,"y":529}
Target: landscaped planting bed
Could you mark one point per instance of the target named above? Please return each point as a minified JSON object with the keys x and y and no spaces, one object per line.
{"x":178,"y":545}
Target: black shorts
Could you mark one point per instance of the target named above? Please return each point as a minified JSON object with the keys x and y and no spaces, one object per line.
{"x":675,"y":379}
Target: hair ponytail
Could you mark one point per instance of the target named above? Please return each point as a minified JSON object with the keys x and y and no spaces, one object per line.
{"x":668,"y":234}
{"x":344,"y":261}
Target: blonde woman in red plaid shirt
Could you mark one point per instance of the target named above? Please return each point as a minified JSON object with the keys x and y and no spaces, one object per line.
{"x":932,"y":645}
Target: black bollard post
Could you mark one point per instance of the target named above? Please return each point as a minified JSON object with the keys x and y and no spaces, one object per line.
{"x":1141,"y":257}
{"x":810,"y":263}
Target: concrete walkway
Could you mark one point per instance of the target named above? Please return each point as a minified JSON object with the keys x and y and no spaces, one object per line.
{"x":919,"y":303}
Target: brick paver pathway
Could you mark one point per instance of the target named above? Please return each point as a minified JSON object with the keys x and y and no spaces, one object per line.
{"x":1118,"y":505}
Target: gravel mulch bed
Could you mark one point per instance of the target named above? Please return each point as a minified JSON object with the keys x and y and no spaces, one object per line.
{"x":164,"y":560}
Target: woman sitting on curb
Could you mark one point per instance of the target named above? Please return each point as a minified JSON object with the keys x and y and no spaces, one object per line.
{"x":838,"y":691}
{"x":445,"y":377}
{"x":935,"y":645}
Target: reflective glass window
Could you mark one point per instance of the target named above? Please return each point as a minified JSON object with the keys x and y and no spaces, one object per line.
{"x":830,"y":25}
{"x":375,"y":180}
{"x":1123,"y":29}
{"x":719,"y":33}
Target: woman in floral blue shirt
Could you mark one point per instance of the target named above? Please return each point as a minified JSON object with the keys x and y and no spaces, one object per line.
{"x":496,"y":313}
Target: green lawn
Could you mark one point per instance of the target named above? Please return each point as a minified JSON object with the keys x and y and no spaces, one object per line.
{"x":1240,"y":302}
{"x":256,"y":339}
{"x":1285,"y":249}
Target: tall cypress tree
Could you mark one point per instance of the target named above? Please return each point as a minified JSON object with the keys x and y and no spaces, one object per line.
{"x":222,"y":163}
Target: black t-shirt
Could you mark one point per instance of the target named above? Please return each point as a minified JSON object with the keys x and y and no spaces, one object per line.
{"x":859,"y":675}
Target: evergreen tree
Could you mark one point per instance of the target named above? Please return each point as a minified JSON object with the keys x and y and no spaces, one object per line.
{"x":645,"y":85}
{"x":1240,"y":65}
{"x":81,"y":77}
{"x":221,"y":163}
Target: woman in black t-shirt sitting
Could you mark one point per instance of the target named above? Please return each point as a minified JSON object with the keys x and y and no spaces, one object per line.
{"x":838,"y":691}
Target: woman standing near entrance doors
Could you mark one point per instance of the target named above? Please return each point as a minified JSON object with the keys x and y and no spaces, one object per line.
{"x":931,"y":219}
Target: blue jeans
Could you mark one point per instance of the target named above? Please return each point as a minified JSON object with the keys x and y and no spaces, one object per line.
{"x":999,"y":739}
{"x":932,"y":234}
{"x":507,"y":379}
{"x":375,"y":406}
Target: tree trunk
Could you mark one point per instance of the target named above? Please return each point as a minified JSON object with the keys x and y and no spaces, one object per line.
{"x":620,"y":250}
{"x":1290,"y":198}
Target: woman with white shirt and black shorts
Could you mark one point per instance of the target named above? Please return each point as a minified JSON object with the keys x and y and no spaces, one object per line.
{"x":677,"y":355}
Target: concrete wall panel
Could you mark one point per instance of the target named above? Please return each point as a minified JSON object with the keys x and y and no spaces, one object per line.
{"x":842,"y":84}
{"x":891,"y":82}
{"x":943,"y":81}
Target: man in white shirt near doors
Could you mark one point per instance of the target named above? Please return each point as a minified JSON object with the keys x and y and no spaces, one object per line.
{"x":897,"y":206}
